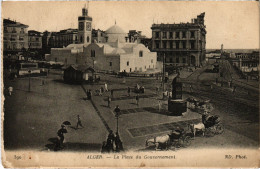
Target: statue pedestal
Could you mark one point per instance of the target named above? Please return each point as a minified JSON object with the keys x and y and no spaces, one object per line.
{"x":177,"y":107}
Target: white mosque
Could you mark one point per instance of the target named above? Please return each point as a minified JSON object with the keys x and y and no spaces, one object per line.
{"x":115,"y":55}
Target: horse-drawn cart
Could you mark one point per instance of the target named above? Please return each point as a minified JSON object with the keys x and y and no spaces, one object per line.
{"x":167,"y":141}
{"x":213,"y":126}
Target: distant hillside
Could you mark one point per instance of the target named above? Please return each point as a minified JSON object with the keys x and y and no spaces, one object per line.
{"x":234,"y":50}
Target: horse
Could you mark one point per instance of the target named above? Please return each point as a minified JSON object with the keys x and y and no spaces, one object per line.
{"x":197,"y":127}
{"x":159,"y":140}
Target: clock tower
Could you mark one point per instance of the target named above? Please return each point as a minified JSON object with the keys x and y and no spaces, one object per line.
{"x":84,"y":27}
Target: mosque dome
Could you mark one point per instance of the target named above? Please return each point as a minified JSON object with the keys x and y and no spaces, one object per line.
{"x":115,"y":30}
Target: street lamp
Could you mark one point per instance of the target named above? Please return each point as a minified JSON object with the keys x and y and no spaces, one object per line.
{"x":29,"y":87}
{"x":117,"y":111}
{"x":163,"y":78}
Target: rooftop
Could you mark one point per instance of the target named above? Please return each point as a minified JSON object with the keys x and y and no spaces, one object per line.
{"x":115,"y":30}
{"x":8,"y":22}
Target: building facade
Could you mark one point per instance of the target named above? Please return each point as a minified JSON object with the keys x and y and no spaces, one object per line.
{"x":247,"y":62}
{"x":115,"y":55}
{"x":15,"y":36}
{"x":182,"y":44}
{"x":98,"y":36}
{"x":34,"y":40}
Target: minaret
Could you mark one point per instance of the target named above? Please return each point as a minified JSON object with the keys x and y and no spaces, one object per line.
{"x":84,"y":27}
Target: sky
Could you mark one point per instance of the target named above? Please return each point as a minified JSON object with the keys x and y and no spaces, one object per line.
{"x":233,"y":24}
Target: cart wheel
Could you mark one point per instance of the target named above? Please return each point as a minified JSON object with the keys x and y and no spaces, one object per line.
{"x":209,"y":132}
{"x":219,"y":129}
{"x":186,"y":141}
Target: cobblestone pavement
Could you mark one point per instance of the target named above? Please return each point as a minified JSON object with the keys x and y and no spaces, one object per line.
{"x":158,"y":128}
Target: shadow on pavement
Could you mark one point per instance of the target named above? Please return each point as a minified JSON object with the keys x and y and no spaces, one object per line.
{"x":94,"y":147}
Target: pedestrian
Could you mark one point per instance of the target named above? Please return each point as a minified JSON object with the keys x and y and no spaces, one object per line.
{"x":159,"y":105}
{"x":79,"y":123}
{"x":128,"y":91}
{"x":104,"y":148}
{"x":112,"y":93}
{"x":234,"y":89}
{"x":61,"y":133}
{"x":10,"y":90}
{"x":106,"y":89}
{"x":117,"y":110}
{"x":211,"y":86}
{"x":137,"y":99}
{"x":170,"y":95}
{"x":157,"y":90}
{"x":190,"y":88}
{"x":90,"y":95}
{"x":100,"y":92}
{"x":110,"y":141}
{"x":229,"y":82}
{"x":102,"y":89}
{"x":118,"y":143}
{"x":108,"y":101}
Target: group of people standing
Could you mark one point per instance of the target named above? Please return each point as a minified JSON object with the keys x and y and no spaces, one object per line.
{"x":102,"y":89}
{"x":113,"y":143}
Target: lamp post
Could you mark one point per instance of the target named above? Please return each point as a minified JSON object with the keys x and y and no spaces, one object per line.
{"x":117,"y":111}
{"x":163,"y":78}
{"x":29,"y":86}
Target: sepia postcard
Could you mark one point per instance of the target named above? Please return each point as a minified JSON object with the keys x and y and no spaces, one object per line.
{"x":130,"y":84}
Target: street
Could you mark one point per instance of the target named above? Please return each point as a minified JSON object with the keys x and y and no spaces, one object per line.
{"x":34,"y":125}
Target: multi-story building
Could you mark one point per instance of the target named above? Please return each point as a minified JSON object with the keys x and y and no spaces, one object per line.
{"x":247,"y":62}
{"x":34,"y":40}
{"x":59,"y":39}
{"x":15,"y":36}
{"x":182,"y":44}
{"x":98,"y":36}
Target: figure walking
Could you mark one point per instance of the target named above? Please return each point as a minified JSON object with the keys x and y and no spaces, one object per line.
{"x":100,"y":92}
{"x":10,"y":90}
{"x":112,"y":93}
{"x":159,"y":105}
{"x":234,"y":89}
{"x":110,"y":141}
{"x":79,"y":123}
{"x":118,"y":143}
{"x":106,"y":89}
{"x":128,"y":91}
{"x":61,"y":133}
{"x":157,"y":90}
{"x":108,"y":101}
{"x":137,"y":99}
{"x":190,"y":88}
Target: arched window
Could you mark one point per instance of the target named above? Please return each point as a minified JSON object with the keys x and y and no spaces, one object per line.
{"x":93,"y":53}
{"x":88,"y":39}
{"x":81,"y":39}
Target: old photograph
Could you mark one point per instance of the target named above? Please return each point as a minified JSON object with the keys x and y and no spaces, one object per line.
{"x":130,"y":84}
